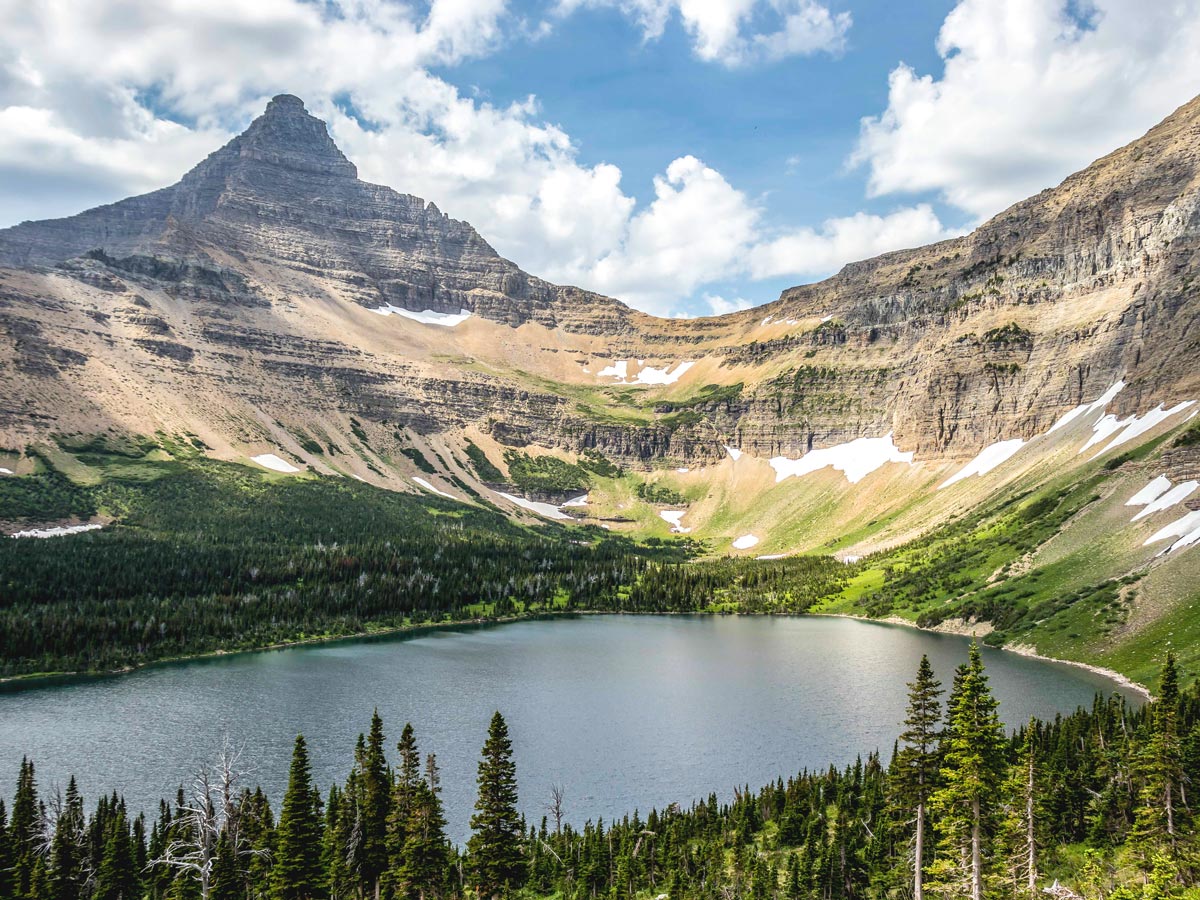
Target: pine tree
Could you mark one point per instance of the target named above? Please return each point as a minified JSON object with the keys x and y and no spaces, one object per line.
{"x":1019,"y":837}
{"x":226,"y":881}
{"x":494,"y":849}
{"x":426,"y":851}
{"x":404,"y":794}
{"x":24,"y":829}
{"x":118,"y":875}
{"x":297,"y":873}
{"x":1155,"y":826}
{"x":67,"y":848}
{"x":6,"y":855}
{"x":376,"y":785}
{"x":916,"y":764}
{"x":972,"y":771}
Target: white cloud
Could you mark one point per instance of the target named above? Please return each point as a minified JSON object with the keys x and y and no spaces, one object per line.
{"x":808,"y":251}
{"x":1032,"y":91}
{"x":725,"y":32}
{"x":694,"y":232}
{"x":719,"y":305}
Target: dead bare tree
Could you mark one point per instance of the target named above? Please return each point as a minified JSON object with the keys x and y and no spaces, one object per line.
{"x":558,"y":794}
{"x":210,"y":811}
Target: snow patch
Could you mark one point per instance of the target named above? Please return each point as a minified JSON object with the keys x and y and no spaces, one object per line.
{"x":825,"y":319}
{"x":674,"y":518}
{"x":745,"y":542}
{"x":767,"y":320}
{"x":429,"y":487}
{"x":273,"y":462}
{"x":4,"y":471}
{"x":426,"y":316}
{"x":772,"y":556}
{"x":988,"y":459}
{"x":1135,"y":426}
{"x":1177,"y":529}
{"x":619,"y":370}
{"x":1186,"y":541}
{"x":734,"y":453}
{"x":1150,"y":492}
{"x":57,"y":531}
{"x":581,"y":500}
{"x":683,"y":471}
{"x":542,"y":509}
{"x":1096,"y":405}
{"x":1175,"y":495}
{"x":667,"y":375}
{"x":856,"y":459}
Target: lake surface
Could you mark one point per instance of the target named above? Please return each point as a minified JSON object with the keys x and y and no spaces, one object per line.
{"x":624,"y":711}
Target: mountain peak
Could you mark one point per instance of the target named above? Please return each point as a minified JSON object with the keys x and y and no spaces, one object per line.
{"x":285,"y":104}
{"x":286,"y":136}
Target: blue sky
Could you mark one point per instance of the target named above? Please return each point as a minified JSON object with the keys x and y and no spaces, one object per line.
{"x":686,"y":156}
{"x":782,"y":131}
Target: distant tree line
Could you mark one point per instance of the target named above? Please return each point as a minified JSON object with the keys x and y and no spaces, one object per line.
{"x":211,"y":556}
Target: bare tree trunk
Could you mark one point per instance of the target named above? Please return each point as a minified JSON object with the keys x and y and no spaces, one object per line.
{"x":558,"y":794}
{"x":976,"y":852}
{"x":1030,"y":837}
{"x":1170,"y":805}
{"x":919,"y":859}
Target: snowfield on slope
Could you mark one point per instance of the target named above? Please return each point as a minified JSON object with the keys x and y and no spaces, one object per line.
{"x":988,"y":459}
{"x":674,"y":518}
{"x":56,"y":531}
{"x":745,"y":542}
{"x":429,"y":487}
{"x":549,"y":510}
{"x":274,"y":463}
{"x":1186,"y":529}
{"x":1128,"y":429}
{"x":619,"y":370}
{"x":426,"y":316}
{"x":1174,"y":496}
{"x":1095,"y":406}
{"x":1150,"y":492}
{"x":855,"y":459}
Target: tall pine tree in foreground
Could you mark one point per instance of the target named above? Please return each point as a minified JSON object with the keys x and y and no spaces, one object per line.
{"x":494,"y":850}
{"x":916,"y":763}
{"x":1156,"y":824}
{"x":973,"y":768}
{"x":1020,"y":830}
{"x":297,"y":873}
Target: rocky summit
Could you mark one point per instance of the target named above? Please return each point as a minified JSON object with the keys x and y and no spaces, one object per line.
{"x":271,"y":303}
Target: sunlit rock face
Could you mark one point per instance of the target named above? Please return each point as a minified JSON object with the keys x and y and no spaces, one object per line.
{"x":250,"y":293}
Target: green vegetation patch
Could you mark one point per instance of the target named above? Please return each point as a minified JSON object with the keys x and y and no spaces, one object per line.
{"x":484,"y":467}
{"x":544,"y":474}
{"x":419,"y":460}
{"x":1012,"y":333}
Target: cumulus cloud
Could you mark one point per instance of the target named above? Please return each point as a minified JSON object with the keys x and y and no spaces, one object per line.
{"x":1031,"y":91}
{"x":739,"y":32}
{"x":695,"y":231}
{"x":810,"y":251}
{"x":719,"y":305}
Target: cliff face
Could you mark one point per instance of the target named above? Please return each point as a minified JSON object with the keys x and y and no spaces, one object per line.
{"x":243,"y":300}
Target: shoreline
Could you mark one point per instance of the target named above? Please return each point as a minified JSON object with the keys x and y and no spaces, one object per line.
{"x":43,"y":679}
{"x":1026,"y":650}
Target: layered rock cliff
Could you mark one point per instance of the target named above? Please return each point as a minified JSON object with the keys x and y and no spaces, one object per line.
{"x":248,"y":301}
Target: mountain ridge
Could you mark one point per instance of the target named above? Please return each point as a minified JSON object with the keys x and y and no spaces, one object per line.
{"x":280,"y":249}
